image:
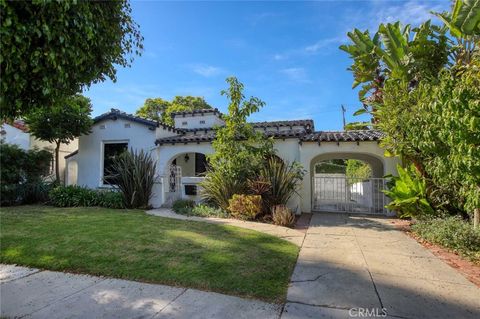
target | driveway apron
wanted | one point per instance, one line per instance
(354, 266)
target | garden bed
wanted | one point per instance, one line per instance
(131, 245)
(470, 269)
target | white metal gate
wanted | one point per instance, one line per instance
(339, 193)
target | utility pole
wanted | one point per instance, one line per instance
(343, 116)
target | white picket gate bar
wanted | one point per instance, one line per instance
(349, 194)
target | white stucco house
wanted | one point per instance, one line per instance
(17, 133)
(180, 152)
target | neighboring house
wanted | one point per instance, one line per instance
(17, 133)
(180, 154)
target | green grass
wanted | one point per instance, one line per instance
(131, 245)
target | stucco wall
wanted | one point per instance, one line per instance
(196, 121)
(368, 151)
(65, 149)
(90, 156)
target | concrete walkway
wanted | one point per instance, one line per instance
(32, 293)
(292, 235)
(351, 265)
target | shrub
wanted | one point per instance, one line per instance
(219, 186)
(208, 211)
(73, 196)
(110, 199)
(134, 174)
(409, 194)
(451, 232)
(283, 179)
(21, 174)
(183, 206)
(187, 207)
(282, 216)
(245, 206)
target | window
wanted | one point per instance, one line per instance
(202, 122)
(184, 123)
(127, 125)
(200, 163)
(102, 127)
(110, 151)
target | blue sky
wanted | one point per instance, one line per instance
(286, 53)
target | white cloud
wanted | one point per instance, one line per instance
(324, 44)
(295, 74)
(206, 70)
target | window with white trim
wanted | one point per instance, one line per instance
(110, 152)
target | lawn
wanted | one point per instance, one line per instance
(130, 244)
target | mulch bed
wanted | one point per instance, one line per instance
(467, 268)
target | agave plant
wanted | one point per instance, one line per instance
(134, 174)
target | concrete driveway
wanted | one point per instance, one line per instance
(364, 267)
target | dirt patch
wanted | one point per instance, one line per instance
(467, 268)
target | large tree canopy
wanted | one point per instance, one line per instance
(160, 109)
(52, 49)
(61, 123)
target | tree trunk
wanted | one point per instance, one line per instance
(57, 166)
(476, 217)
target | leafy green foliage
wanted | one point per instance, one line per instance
(427, 102)
(182, 206)
(392, 53)
(21, 174)
(189, 208)
(61, 123)
(52, 49)
(356, 169)
(245, 206)
(133, 173)
(409, 194)
(154, 108)
(239, 150)
(74, 196)
(453, 233)
(161, 110)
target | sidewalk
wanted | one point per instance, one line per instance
(46, 294)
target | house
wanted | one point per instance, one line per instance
(180, 153)
(17, 133)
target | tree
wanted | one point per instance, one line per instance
(61, 123)
(161, 110)
(239, 149)
(153, 108)
(463, 23)
(52, 49)
(397, 53)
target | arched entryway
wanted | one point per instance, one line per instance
(184, 172)
(348, 182)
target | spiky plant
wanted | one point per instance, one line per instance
(134, 174)
(283, 179)
(282, 216)
(219, 186)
